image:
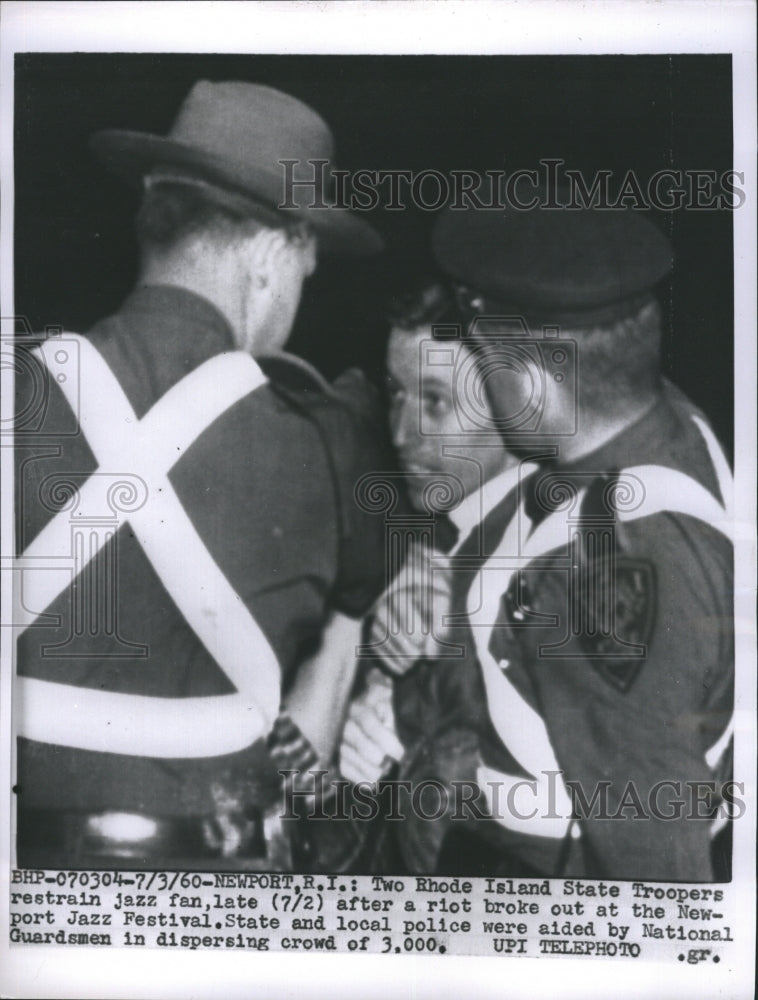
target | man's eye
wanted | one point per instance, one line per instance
(435, 404)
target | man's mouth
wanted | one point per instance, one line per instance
(416, 469)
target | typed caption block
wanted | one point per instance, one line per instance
(375, 914)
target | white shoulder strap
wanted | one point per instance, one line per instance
(665, 490)
(145, 450)
(541, 806)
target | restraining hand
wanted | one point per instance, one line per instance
(369, 742)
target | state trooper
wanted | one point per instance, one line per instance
(602, 626)
(186, 530)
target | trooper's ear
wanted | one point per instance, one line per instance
(268, 249)
(260, 256)
(311, 254)
(302, 236)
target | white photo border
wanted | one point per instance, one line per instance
(544, 27)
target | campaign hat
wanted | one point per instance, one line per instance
(572, 267)
(234, 137)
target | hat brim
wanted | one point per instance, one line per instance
(131, 155)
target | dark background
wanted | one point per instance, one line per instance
(75, 254)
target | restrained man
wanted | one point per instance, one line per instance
(605, 649)
(414, 720)
(186, 529)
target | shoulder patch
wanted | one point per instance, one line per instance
(619, 627)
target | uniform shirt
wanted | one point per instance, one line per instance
(437, 705)
(629, 721)
(440, 706)
(269, 490)
(446, 684)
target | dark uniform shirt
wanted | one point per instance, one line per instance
(439, 710)
(269, 488)
(628, 724)
(440, 706)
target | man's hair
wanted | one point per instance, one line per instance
(427, 304)
(174, 210)
(433, 304)
(618, 363)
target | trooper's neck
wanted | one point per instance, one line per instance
(595, 430)
(214, 271)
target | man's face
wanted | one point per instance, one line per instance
(428, 422)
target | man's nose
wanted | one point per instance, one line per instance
(402, 428)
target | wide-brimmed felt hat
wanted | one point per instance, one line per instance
(238, 136)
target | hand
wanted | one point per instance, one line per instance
(230, 831)
(408, 616)
(369, 742)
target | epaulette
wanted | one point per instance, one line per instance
(306, 389)
(287, 371)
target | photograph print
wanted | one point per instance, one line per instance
(373, 464)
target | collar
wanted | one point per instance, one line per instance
(180, 310)
(629, 444)
(160, 334)
(473, 509)
(664, 435)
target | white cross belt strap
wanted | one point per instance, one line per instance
(541, 805)
(147, 726)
